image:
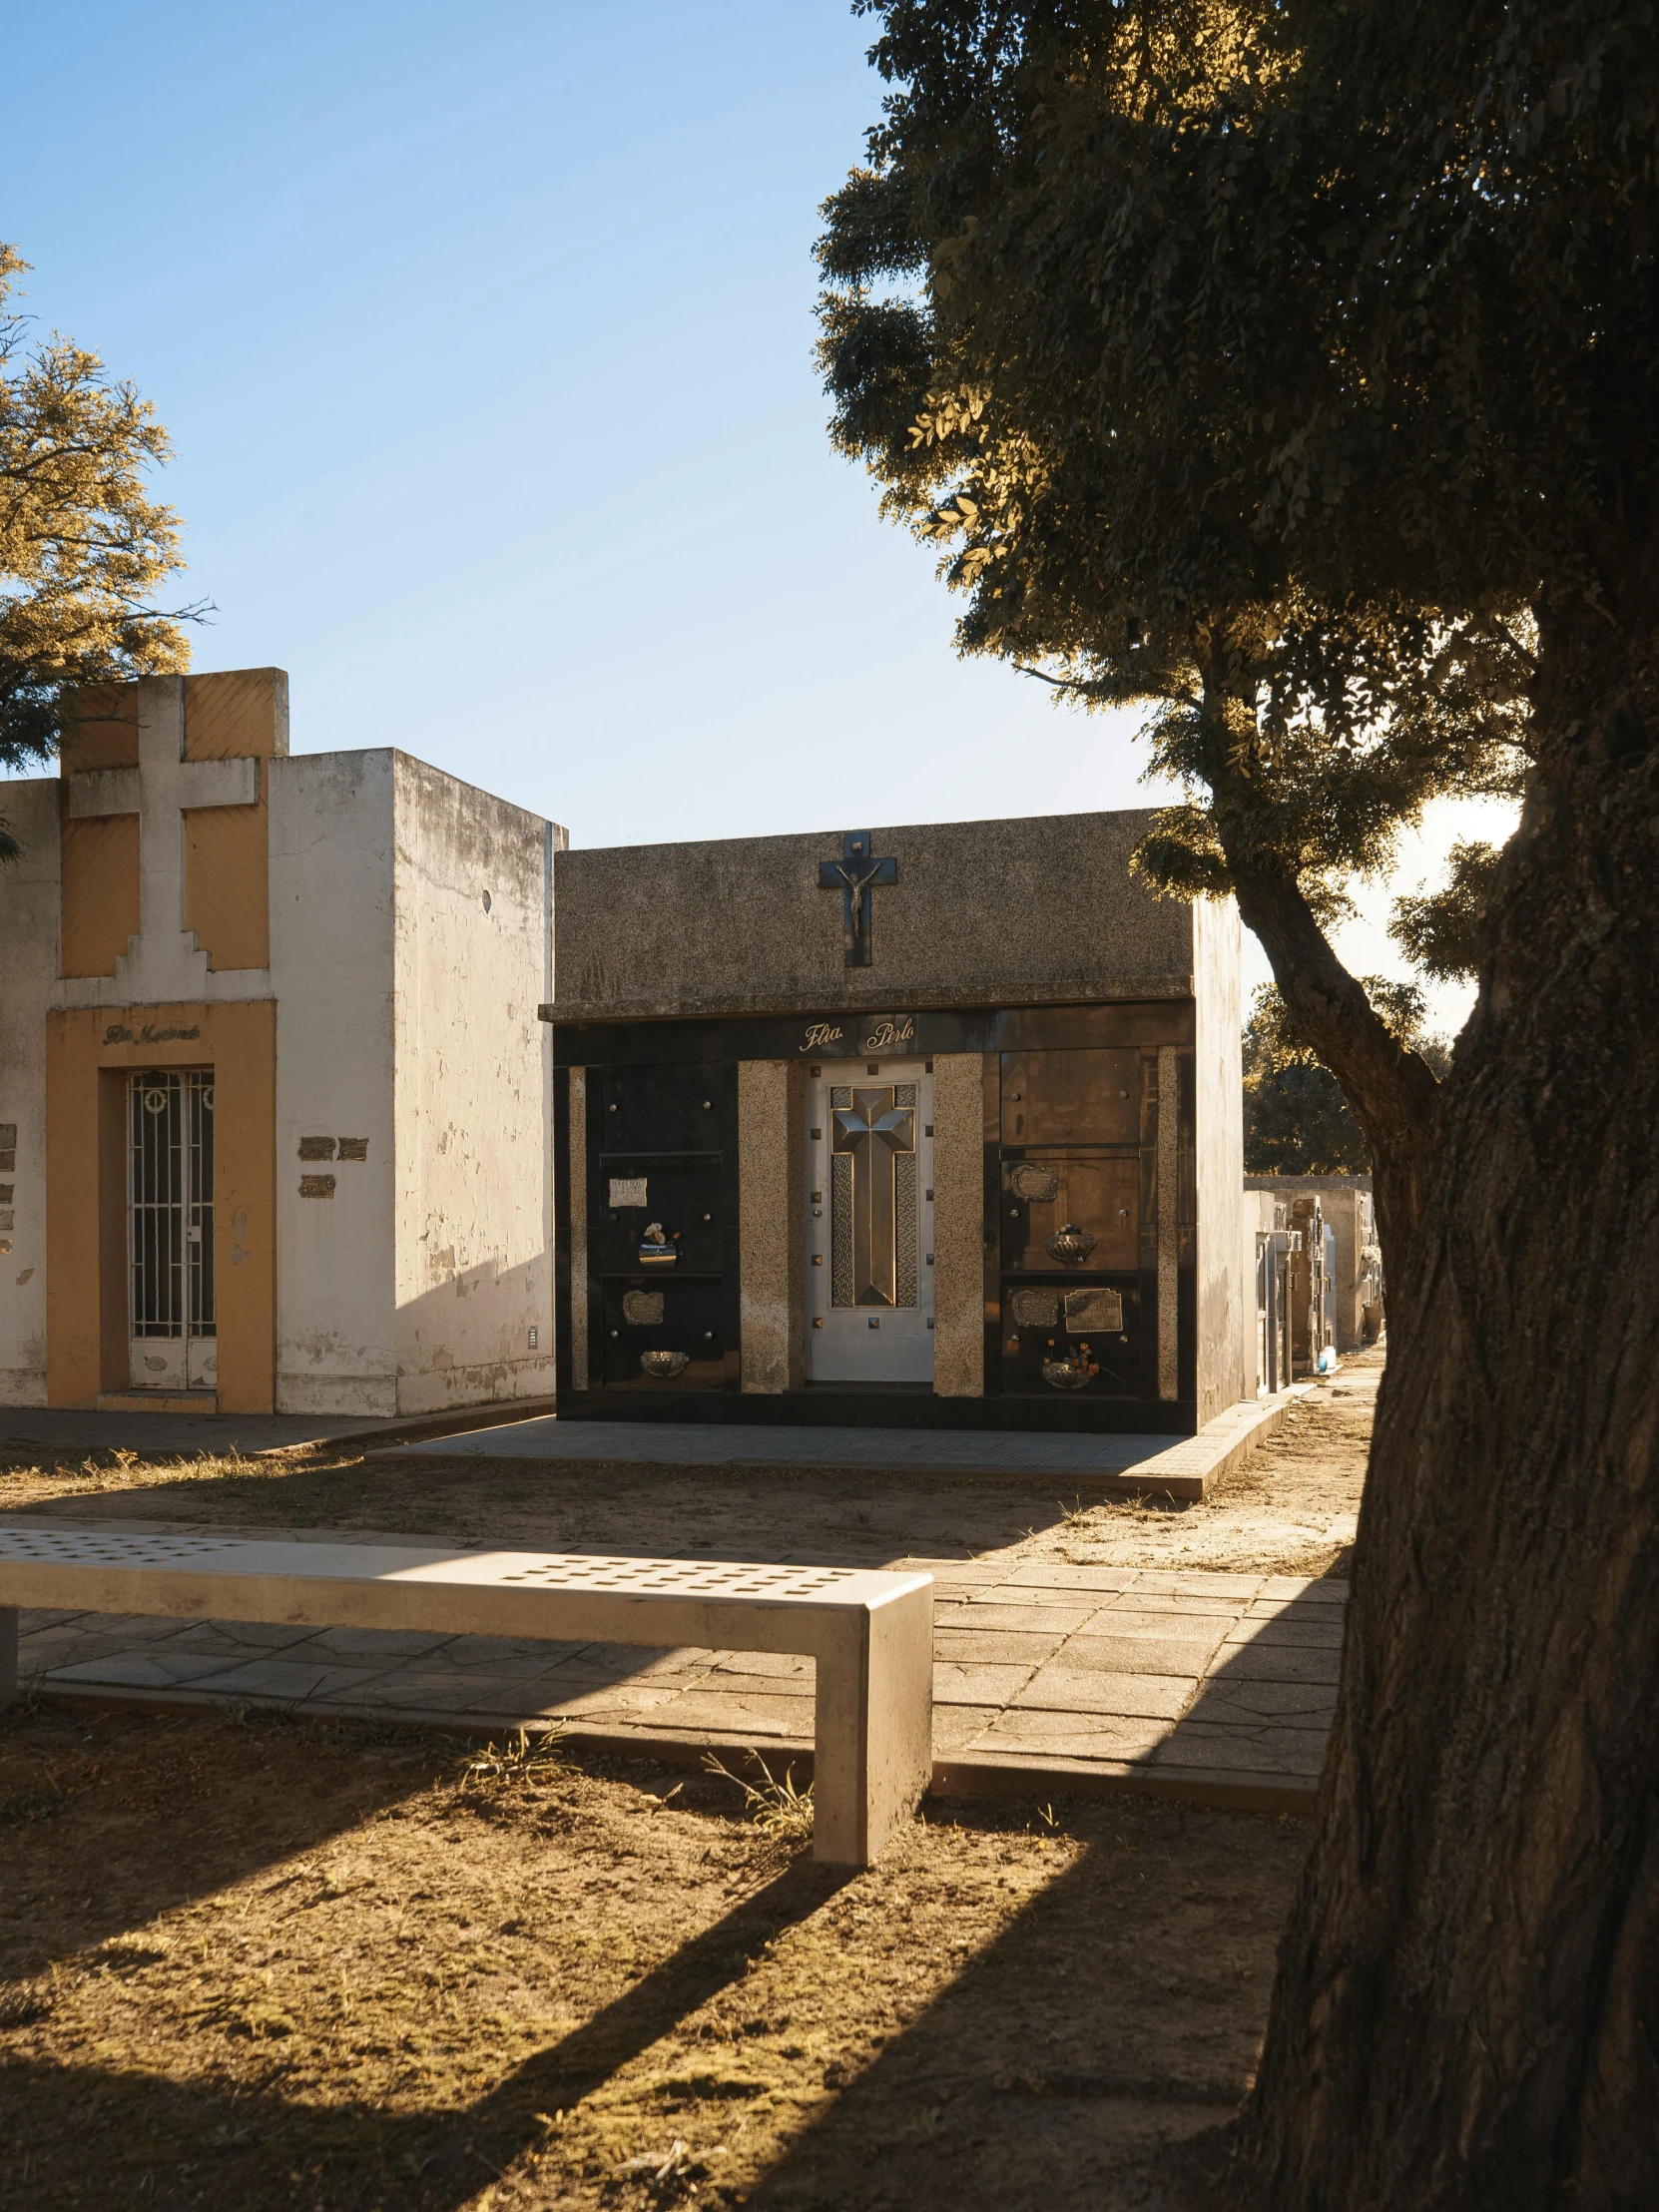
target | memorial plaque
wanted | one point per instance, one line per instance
(1094, 1312)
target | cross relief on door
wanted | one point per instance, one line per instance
(873, 1144)
(163, 961)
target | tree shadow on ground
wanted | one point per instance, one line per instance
(182, 1830)
(1113, 2021)
(189, 2145)
(1089, 2056)
(849, 1518)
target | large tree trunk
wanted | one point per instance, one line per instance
(1391, 1091)
(1466, 2011)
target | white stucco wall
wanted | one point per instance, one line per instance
(29, 906)
(1226, 1295)
(474, 1094)
(333, 858)
(1256, 1214)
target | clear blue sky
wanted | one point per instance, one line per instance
(484, 337)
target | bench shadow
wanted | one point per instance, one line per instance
(188, 2144)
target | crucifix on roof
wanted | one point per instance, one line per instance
(854, 876)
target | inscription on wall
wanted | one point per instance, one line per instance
(328, 1148)
(116, 1034)
(874, 1033)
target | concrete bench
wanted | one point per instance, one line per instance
(871, 1634)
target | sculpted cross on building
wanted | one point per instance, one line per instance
(200, 800)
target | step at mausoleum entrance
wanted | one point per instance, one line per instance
(169, 1231)
(868, 1244)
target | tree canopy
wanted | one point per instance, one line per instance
(1197, 420)
(1293, 368)
(83, 548)
(1296, 1119)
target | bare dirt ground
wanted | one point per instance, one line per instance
(248, 1961)
(274, 1964)
(1288, 1509)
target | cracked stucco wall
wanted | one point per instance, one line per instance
(473, 1082)
(29, 900)
(333, 858)
(1226, 1292)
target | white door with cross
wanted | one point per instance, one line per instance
(870, 1221)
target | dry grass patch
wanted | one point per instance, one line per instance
(1290, 1507)
(265, 1962)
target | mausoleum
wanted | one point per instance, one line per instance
(895, 1127)
(275, 1109)
(898, 1126)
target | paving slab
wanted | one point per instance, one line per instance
(1216, 1689)
(989, 1613)
(1180, 1467)
(1114, 1735)
(1181, 1655)
(1312, 1631)
(1003, 1647)
(967, 1682)
(1291, 1704)
(1298, 1751)
(1270, 1662)
(1155, 1697)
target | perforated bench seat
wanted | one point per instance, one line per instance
(870, 1633)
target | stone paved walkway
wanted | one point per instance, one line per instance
(1177, 1466)
(1217, 1687)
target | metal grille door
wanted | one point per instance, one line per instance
(169, 1192)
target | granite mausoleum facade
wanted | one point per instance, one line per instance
(899, 1126)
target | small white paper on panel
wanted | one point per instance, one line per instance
(628, 1189)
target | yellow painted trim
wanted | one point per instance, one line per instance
(88, 1050)
(99, 889)
(227, 880)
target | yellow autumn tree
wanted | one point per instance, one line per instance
(83, 548)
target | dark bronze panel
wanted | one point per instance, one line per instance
(673, 1128)
(693, 1329)
(1126, 1024)
(664, 1108)
(1097, 1191)
(1029, 1342)
(687, 1195)
(1092, 1096)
